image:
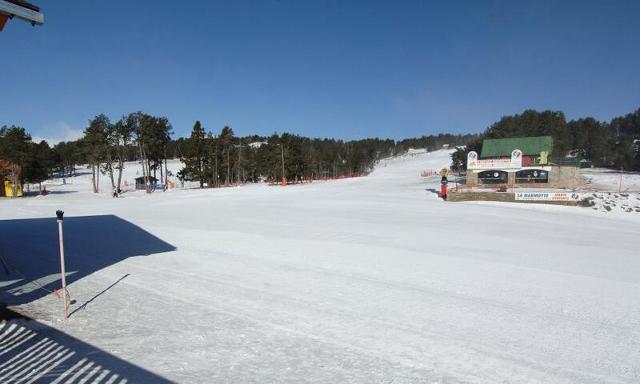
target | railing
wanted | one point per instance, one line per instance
(566, 161)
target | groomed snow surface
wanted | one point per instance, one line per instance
(364, 280)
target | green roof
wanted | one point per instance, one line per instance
(529, 146)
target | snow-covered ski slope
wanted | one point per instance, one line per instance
(364, 280)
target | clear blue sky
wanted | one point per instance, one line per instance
(346, 69)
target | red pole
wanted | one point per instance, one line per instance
(62, 266)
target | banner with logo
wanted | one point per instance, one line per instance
(515, 162)
(547, 196)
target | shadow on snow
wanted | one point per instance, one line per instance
(30, 255)
(30, 268)
(36, 353)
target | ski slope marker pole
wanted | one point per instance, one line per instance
(59, 215)
(620, 185)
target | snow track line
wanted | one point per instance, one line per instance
(476, 301)
(221, 310)
(324, 240)
(571, 374)
(370, 280)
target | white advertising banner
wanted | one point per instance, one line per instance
(547, 196)
(515, 162)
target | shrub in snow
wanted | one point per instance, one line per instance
(587, 202)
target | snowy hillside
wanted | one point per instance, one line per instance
(363, 280)
(611, 180)
(82, 181)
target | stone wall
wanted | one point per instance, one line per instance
(564, 177)
(507, 197)
(472, 178)
(559, 177)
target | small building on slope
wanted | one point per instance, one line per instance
(519, 161)
(141, 182)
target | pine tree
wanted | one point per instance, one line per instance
(226, 135)
(194, 155)
(121, 137)
(15, 148)
(39, 164)
(212, 155)
(95, 141)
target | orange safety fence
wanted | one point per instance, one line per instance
(305, 180)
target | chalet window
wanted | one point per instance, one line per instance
(493, 177)
(532, 176)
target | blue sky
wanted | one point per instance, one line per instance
(345, 69)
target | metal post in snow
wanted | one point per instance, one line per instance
(60, 214)
(284, 179)
(620, 185)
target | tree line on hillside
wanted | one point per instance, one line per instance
(214, 159)
(434, 142)
(104, 148)
(108, 145)
(35, 159)
(222, 158)
(614, 144)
